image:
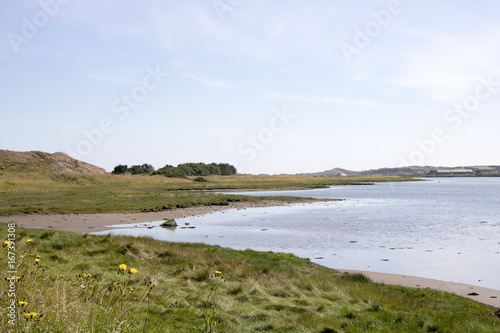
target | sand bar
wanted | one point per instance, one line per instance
(84, 223)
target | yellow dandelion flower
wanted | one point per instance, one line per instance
(5, 243)
(37, 261)
(218, 272)
(131, 289)
(17, 278)
(122, 268)
(22, 303)
(132, 271)
(38, 257)
(31, 315)
(29, 241)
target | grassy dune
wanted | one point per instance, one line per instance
(63, 193)
(200, 288)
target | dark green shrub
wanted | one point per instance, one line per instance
(200, 179)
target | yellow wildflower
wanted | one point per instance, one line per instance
(131, 289)
(29, 241)
(5, 243)
(31, 315)
(22, 303)
(132, 271)
(38, 257)
(218, 272)
(122, 268)
(37, 261)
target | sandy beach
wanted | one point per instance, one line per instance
(85, 223)
(479, 294)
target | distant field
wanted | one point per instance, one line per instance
(63, 193)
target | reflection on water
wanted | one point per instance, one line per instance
(446, 229)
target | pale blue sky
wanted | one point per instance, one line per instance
(270, 86)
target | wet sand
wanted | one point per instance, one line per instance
(85, 223)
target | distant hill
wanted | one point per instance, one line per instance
(414, 171)
(37, 161)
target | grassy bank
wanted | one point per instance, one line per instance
(62, 193)
(76, 287)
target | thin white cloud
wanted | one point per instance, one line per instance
(443, 67)
(213, 83)
(321, 99)
(172, 66)
(112, 79)
(162, 24)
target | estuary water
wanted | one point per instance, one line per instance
(441, 228)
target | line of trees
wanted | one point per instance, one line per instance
(134, 169)
(182, 170)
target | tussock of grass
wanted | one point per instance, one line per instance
(178, 289)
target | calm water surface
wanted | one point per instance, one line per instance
(447, 229)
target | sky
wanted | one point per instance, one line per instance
(284, 86)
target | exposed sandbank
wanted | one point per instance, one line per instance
(84, 223)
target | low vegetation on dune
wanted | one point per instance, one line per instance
(43, 163)
(69, 282)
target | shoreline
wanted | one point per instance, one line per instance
(484, 295)
(85, 223)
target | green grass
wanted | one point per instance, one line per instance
(63, 193)
(176, 289)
